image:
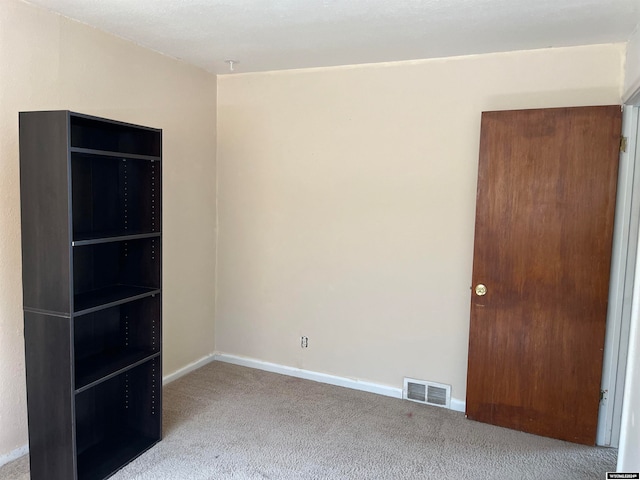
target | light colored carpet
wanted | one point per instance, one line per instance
(229, 422)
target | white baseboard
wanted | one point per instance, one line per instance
(188, 369)
(458, 405)
(395, 392)
(13, 455)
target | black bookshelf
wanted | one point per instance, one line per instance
(91, 208)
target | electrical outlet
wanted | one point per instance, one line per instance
(304, 342)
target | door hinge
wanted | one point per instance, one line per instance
(603, 395)
(623, 144)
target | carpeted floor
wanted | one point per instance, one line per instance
(229, 422)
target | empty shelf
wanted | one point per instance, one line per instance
(98, 368)
(110, 296)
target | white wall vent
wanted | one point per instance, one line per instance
(429, 393)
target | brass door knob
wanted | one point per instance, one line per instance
(481, 290)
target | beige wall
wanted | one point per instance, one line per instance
(49, 62)
(346, 205)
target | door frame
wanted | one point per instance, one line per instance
(623, 277)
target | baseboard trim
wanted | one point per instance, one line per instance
(388, 391)
(458, 405)
(310, 375)
(14, 455)
(188, 369)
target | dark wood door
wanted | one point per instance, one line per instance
(544, 224)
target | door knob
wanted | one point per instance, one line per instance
(481, 290)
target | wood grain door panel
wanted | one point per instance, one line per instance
(544, 224)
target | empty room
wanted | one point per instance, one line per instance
(319, 239)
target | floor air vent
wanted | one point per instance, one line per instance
(429, 393)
